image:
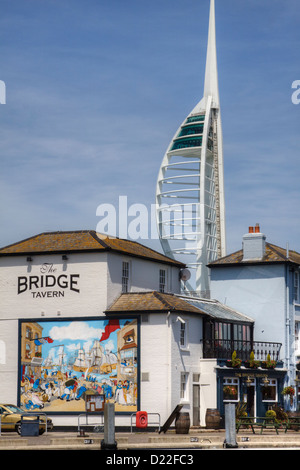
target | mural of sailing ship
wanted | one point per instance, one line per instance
(69, 370)
(97, 360)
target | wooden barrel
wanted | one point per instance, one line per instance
(294, 414)
(182, 423)
(212, 418)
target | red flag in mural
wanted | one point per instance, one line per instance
(109, 328)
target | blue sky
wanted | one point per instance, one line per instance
(96, 89)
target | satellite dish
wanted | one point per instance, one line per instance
(184, 274)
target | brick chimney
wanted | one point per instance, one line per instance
(254, 244)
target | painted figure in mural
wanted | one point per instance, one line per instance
(119, 395)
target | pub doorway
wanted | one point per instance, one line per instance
(196, 405)
(250, 397)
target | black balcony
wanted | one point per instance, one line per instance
(223, 349)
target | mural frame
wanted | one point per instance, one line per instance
(119, 381)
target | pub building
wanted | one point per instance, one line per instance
(85, 314)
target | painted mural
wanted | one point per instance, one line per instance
(63, 362)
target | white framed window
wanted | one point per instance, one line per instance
(162, 280)
(183, 335)
(125, 276)
(231, 389)
(269, 391)
(296, 286)
(184, 376)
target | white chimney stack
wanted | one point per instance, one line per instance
(254, 244)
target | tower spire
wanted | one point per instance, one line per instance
(211, 87)
(190, 187)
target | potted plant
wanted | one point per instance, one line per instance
(235, 361)
(269, 363)
(229, 391)
(271, 414)
(254, 364)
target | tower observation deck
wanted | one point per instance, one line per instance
(190, 207)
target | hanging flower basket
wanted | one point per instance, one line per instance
(289, 391)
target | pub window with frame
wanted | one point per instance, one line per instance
(269, 391)
(231, 389)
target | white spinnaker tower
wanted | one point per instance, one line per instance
(190, 206)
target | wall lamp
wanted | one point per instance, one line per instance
(265, 380)
(29, 259)
(64, 257)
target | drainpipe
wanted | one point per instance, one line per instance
(287, 323)
(169, 388)
(287, 326)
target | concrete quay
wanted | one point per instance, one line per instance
(195, 439)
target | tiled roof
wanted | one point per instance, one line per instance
(147, 302)
(274, 254)
(151, 302)
(80, 241)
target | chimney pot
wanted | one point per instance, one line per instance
(254, 244)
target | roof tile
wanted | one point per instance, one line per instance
(84, 240)
(274, 254)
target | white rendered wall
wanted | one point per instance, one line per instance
(258, 291)
(98, 280)
(143, 275)
(208, 387)
(155, 365)
(91, 284)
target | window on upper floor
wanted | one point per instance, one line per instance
(182, 335)
(183, 385)
(296, 286)
(125, 276)
(162, 280)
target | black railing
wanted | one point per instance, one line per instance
(223, 349)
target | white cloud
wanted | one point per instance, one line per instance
(75, 331)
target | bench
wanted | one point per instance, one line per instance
(292, 421)
(245, 421)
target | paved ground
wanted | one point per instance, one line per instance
(195, 439)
